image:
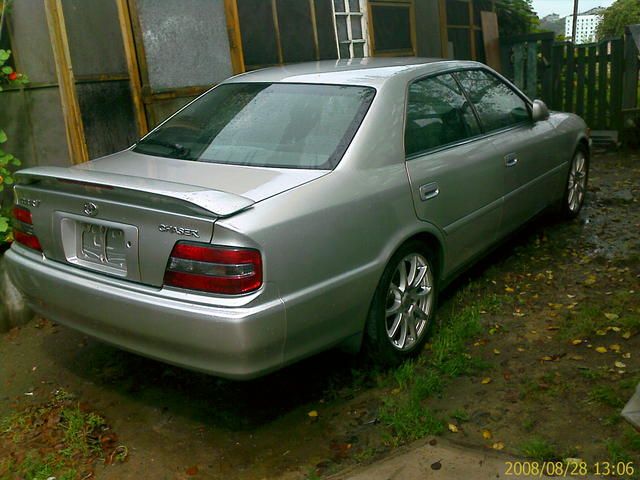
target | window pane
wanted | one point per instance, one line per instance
(356, 27)
(344, 50)
(341, 23)
(358, 50)
(457, 12)
(339, 5)
(497, 104)
(391, 27)
(437, 114)
(354, 5)
(262, 124)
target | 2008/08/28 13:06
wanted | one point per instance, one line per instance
(569, 469)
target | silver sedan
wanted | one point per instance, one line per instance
(294, 209)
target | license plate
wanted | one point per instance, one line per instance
(103, 245)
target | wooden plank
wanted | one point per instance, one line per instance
(138, 40)
(491, 39)
(592, 85)
(557, 63)
(314, 27)
(518, 65)
(603, 66)
(617, 67)
(276, 26)
(532, 70)
(76, 141)
(235, 38)
(472, 33)
(135, 83)
(580, 88)
(569, 78)
(545, 68)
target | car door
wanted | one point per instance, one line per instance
(455, 174)
(526, 149)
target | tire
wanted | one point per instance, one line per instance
(576, 185)
(399, 317)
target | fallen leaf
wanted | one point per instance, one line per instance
(626, 355)
(508, 289)
(546, 358)
(601, 350)
(520, 349)
(191, 471)
(590, 280)
(496, 351)
(620, 365)
(576, 341)
(615, 347)
(498, 446)
(601, 332)
(612, 316)
(486, 434)
(626, 335)
(313, 413)
(453, 428)
(486, 380)
(615, 329)
(576, 357)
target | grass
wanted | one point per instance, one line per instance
(606, 396)
(54, 439)
(539, 449)
(406, 413)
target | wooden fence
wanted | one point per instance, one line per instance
(598, 81)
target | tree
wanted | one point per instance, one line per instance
(617, 16)
(516, 17)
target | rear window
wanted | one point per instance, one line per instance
(264, 125)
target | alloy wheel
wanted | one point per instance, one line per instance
(409, 302)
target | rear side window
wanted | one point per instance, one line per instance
(438, 114)
(498, 106)
(264, 125)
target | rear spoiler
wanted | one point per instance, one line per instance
(219, 203)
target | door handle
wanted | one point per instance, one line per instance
(511, 160)
(429, 191)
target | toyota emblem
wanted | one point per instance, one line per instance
(90, 209)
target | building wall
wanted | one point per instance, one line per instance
(585, 30)
(32, 117)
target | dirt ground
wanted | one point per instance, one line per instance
(557, 355)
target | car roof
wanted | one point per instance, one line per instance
(370, 71)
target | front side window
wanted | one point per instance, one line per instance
(498, 106)
(264, 125)
(438, 114)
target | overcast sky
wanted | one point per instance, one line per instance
(565, 7)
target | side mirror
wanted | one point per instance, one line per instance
(540, 111)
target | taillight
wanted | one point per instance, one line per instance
(23, 228)
(215, 269)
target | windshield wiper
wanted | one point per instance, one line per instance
(176, 148)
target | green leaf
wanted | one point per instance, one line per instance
(4, 55)
(16, 162)
(3, 136)
(8, 180)
(4, 159)
(4, 224)
(6, 70)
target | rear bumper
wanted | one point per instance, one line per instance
(238, 342)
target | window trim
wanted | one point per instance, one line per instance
(483, 133)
